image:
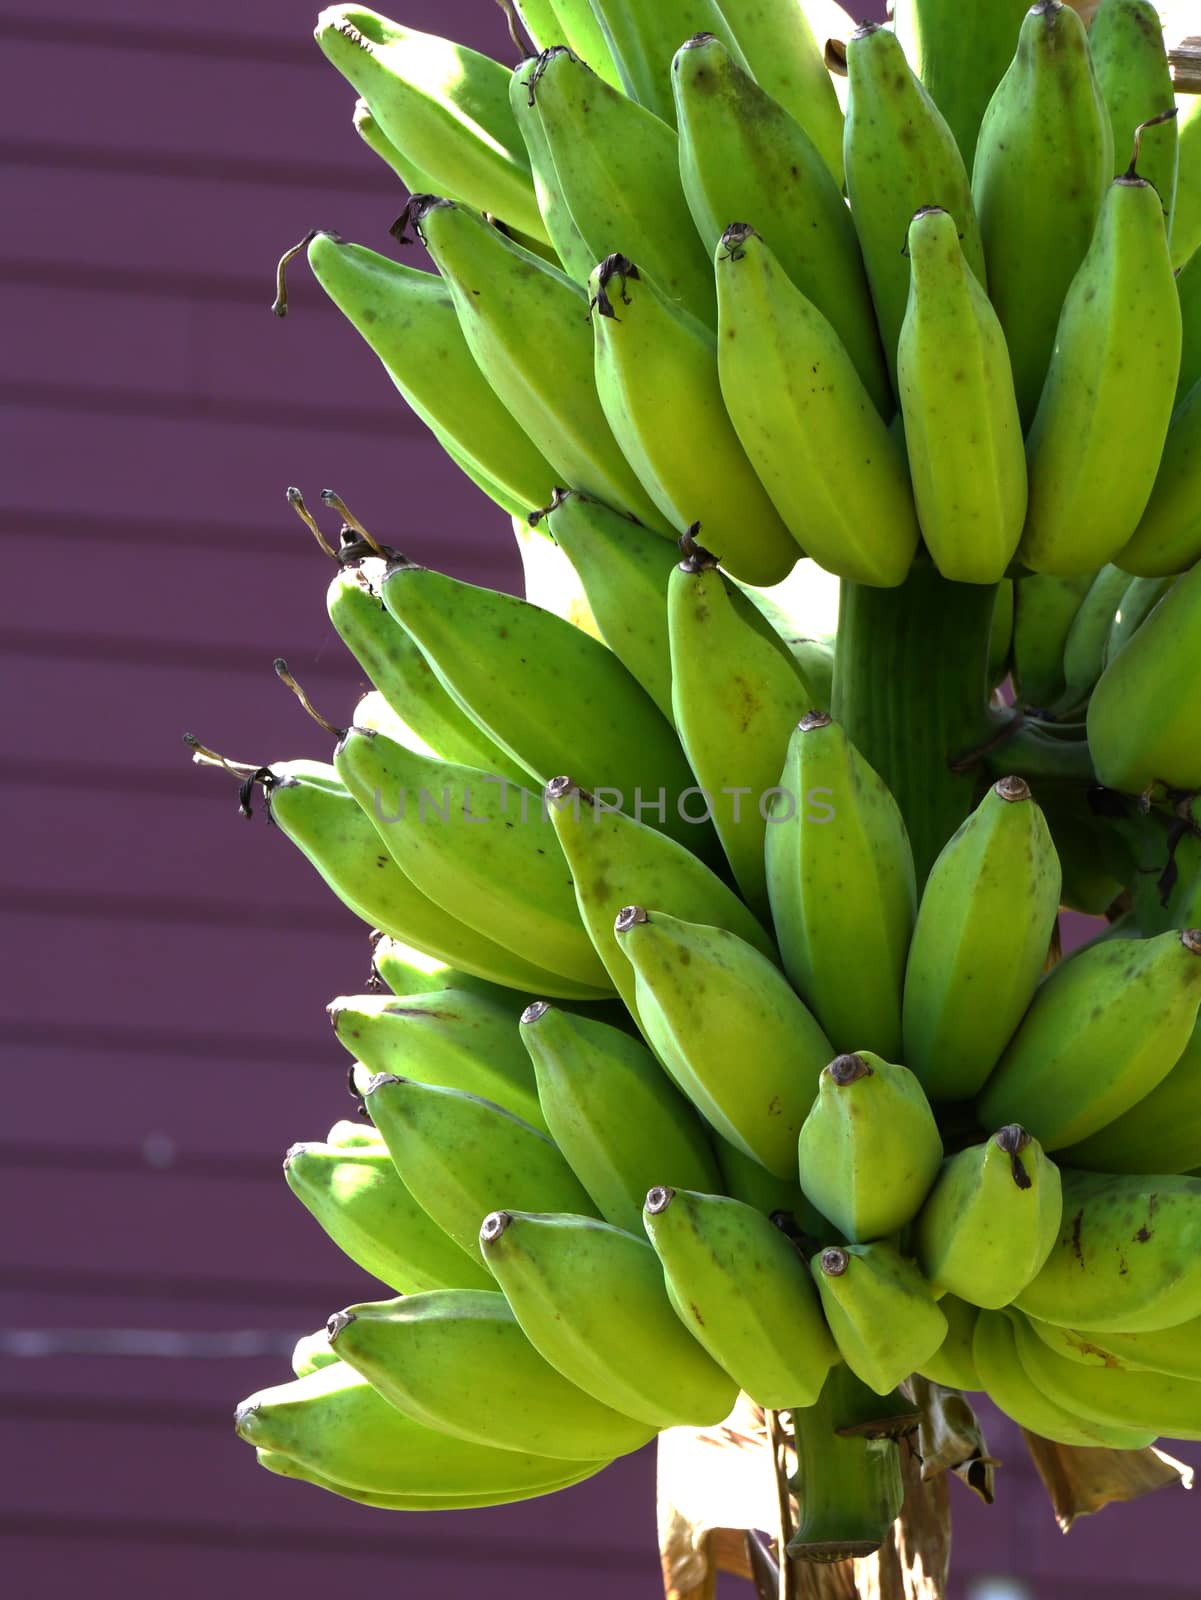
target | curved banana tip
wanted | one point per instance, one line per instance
(335, 1325)
(493, 1226)
(244, 1417)
(629, 917)
(658, 1199)
(534, 1011)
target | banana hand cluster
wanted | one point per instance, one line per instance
(695, 1076)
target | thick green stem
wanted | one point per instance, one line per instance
(848, 1489)
(911, 689)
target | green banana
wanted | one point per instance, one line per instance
(880, 1309)
(463, 1156)
(959, 53)
(311, 1352)
(952, 1364)
(984, 926)
(618, 172)
(613, 1112)
(408, 971)
(546, 692)
(337, 1425)
(743, 155)
(591, 1299)
(782, 1200)
(373, 136)
(740, 1288)
(1186, 213)
(350, 1135)
(1139, 598)
(644, 40)
(394, 663)
(574, 254)
(1027, 1401)
(729, 1030)
(1138, 1400)
(1188, 292)
(457, 1360)
(285, 1467)
(1043, 160)
(1000, 643)
(1126, 45)
(369, 1213)
(900, 155)
(614, 858)
(733, 722)
(524, 322)
(408, 319)
(777, 42)
(623, 570)
(1102, 1030)
(444, 107)
(1098, 433)
(870, 1148)
(962, 431)
(580, 30)
(833, 470)
(550, 580)
(1088, 637)
(1145, 710)
(1175, 1352)
(1128, 1255)
(1043, 612)
(1160, 1133)
(1168, 539)
(449, 1037)
(654, 360)
(511, 884)
(840, 876)
(990, 1220)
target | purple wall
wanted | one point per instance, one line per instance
(166, 964)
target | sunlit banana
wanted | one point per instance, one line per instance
(834, 472)
(458, 1361)
(575, 256)
(462, 1156)
(1175, 1351)
(984, 926)
(579, 28)
(869, 1148)
(408, 971)
(311, 1352)
(288, 1467)
(740, 1288)
(592, 1301)
(613, 1112)
(645, 38)
(729, 1030)
(881, 1311)
(841, 880)
(654, 360)
(1186, 213)
(962, 432)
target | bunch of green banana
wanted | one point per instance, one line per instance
(729, 1047)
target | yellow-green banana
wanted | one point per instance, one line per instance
(833, 470)
(408, 971)
(952, 1364)
(408, 319)
(984, 926)
(1168, 538)
(654, 360)
(1098, 433)
(618, 173)
(579, 29)
(959, 53)
(1043, 611)
(623, 570)
(335, 1423)
(1043, 160)
(1174, 1351)
(311, 1352)
(1160, 1133)
(990, 1220)
(782, 1200)
(286, 1467)
(740, 1288)
(869, 1148)
(360, 1201)
(613, 1112)
(1102, 1030)
(524, 322)
(615, 858)
(553, 697)
(443, 106)
(881, 1311)
(462, 1156)
(962, 431)
(1186, 214)
(900, 154)
(743, 155)
(1146, 708)
(733, 720)
(511, 883)
(574, 254)
(843, 893)
(449, 1037)
(457, 1360)
(592, 1301)
(644, 40)
(1128, 1255)
(1126, 44)
(350, 1135)
(1085, 646)
(550, 580)
(729, 1030)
